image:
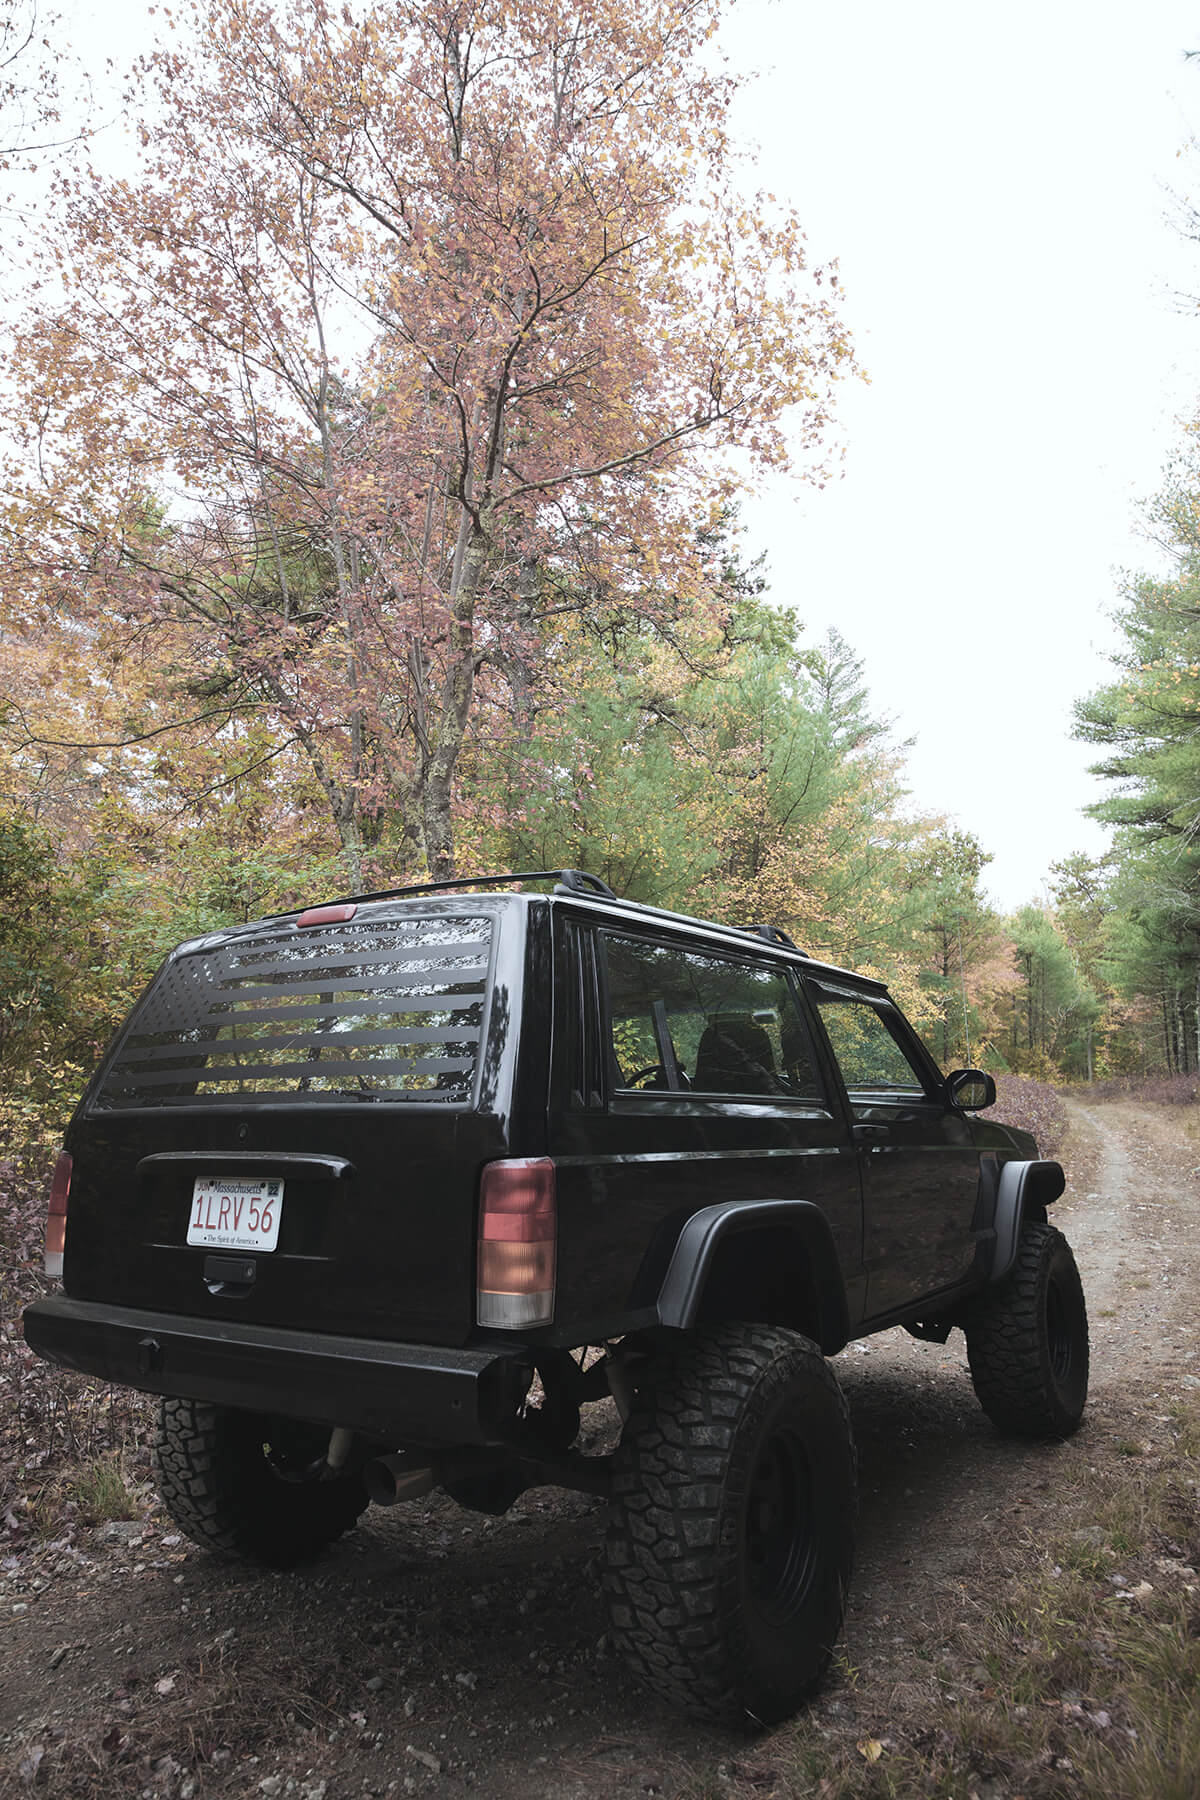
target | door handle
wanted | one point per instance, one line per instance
(870, 1133)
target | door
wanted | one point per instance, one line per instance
(920, 1167)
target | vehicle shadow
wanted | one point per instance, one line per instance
(432, 1635)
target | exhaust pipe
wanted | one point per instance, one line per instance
(389, 1479)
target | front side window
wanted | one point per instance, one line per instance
(870, 1057)
(681, 1020)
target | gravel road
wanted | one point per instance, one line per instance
(437, 1652)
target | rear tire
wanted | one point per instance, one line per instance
(732, 1527)
(1027, 1341)
(242, 1484)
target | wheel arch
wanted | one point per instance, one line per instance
(768, 1261)
(1023, 1193)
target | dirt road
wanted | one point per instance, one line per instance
(436, 1652)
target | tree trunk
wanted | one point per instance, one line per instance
(457, 692)
(1185, 1050)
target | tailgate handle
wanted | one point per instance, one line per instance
(225, 1273)
(282, 1162)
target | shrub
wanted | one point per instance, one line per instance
(1157, 1090)
(1032, 1106)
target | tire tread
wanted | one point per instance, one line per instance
(227, 1502)
(1006, 1348)
(663, 1578)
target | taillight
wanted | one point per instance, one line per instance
(518, 1235)
(56, 1215)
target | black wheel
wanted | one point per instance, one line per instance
(1027, 1342)
(731, 1536)
(249, 1486)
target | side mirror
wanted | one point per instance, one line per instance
(970, 1090)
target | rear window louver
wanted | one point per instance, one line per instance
(387, 1010)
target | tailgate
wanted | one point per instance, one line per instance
(298, 1106)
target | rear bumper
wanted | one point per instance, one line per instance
(415, 1394)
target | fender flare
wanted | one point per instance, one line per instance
(1022, 1186)
(682, 1289)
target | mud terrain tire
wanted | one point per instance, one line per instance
(731, 1533)
(237, 1483)
(1027, 1341)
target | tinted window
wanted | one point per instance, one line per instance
(389, 1009)
(680, 1020)
(868, 1054)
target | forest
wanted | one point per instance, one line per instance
(370, 462)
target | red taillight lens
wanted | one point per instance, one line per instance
(518, 1236)
(56, 1215)
(327, 915)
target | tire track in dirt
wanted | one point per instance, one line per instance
(482, 1644)
(1133, 1212)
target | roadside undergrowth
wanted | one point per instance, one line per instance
(72, 1450)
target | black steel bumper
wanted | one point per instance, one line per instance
(416, 1394)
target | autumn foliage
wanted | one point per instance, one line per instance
(370, 451)
(410, 332)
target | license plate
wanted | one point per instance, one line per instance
(235, 1213)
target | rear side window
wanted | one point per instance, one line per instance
(684, 1020)
(388, 1010)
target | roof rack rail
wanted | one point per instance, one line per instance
(566, 881)
(774, 935)
(569, 881)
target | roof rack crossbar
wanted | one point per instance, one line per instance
(774, 935)
(571, 881)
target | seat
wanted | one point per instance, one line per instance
(735, 1057)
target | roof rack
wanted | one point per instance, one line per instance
(569, 881)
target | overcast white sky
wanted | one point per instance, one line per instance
(995, 183)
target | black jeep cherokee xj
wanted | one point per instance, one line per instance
(376, 1195)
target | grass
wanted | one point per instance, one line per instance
(102, 1490)
(93, 1491)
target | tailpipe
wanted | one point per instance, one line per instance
(390, 1479)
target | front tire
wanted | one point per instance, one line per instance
(1027, 1341)
(732, 1527)
(245, 1485)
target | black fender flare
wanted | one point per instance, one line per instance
(682, 1288)
(1022, 1187)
